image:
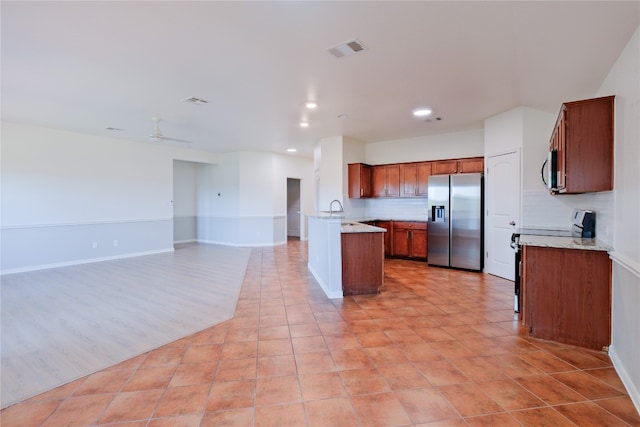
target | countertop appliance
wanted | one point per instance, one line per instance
(455, 228)
(583, 223)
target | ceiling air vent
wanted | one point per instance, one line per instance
(347, 48)
(195, 101)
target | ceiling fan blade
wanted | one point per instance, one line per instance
(166, 138)
(158, 136)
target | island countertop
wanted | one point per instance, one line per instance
(358, 227)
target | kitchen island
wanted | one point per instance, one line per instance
(346, 257)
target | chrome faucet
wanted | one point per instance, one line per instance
(331, 206)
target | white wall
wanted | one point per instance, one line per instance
(623, 81)
(329, 169)
(242, 199)
(504, 132)
(432, 147)
(69, 198)
(285, 166)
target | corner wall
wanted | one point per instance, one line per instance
(623, 82)
(242, 198)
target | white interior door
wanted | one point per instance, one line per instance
(502, 202)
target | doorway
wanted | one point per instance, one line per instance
(293, 208)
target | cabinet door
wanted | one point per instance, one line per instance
(359, 180)
(418, 244)
(401, 242)
(386, 180)
(444, 167)
(567, 295)
(393, 180)
(472, 165)
(387, 236)
(588, 145)
(408, 179)
(378, 181)
(423, 171)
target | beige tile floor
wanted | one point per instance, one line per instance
(436, 348)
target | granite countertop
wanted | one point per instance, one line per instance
(377, 218)
(357, 227)
(564, 242)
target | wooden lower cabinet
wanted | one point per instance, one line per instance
(566, 295)
(387, 225)
(362, 263)
(410, 239)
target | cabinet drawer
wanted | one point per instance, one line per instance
(410, 225)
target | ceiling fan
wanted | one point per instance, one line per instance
(158, 136)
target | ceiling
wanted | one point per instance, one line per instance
(87, 66)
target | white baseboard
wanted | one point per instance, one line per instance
(634, 393)
(83, 261)
(244, 245)
(325, 288)
(179, 242)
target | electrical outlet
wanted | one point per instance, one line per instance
(94, 245)
(115, 242)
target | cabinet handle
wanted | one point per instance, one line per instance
(361, 192)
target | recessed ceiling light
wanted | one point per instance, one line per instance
(304, 124)
(421, 112)
(311, 105)
(291, 150)
(112, 129)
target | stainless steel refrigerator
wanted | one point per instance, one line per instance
(455, 228)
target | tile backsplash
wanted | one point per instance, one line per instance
(415, 209)
(540, 209)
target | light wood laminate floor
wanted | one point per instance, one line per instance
(64, 323)
(437, 347)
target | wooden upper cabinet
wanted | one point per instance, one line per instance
(471, 165)
(583, 137)
(385, 180)
(404, 179)
(359, 180)
(451, 166)
(414, 178)
(445, 167)
(408, 179)
(423, 171)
